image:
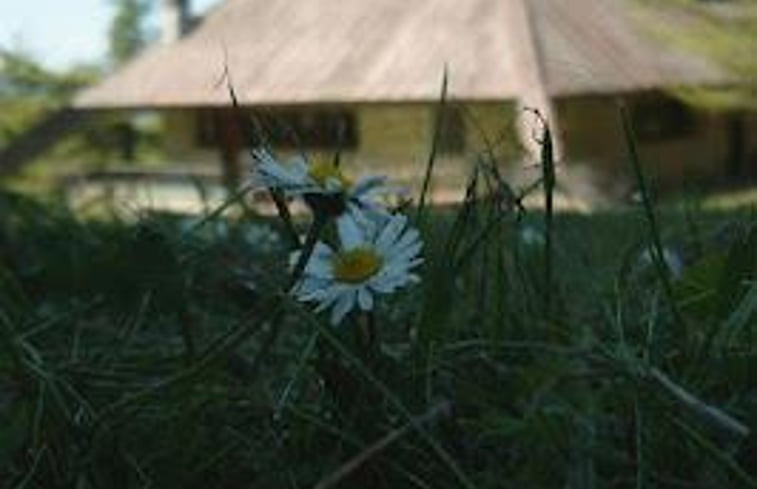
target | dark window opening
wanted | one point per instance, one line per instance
(206, 130)
(659, 118)
(324, 129)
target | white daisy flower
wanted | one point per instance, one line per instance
(297, 177)
(322, 178)
(368, 263)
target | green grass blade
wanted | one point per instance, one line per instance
(658, 257)
(434, 149)
(443, 455)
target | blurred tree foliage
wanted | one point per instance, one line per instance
(23, 76)
(29, 91)
(127, 34)
(722, 30)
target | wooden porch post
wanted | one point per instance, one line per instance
(230, 144)
(736, 152)
(531, 82)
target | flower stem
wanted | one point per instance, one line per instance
(277, 320)
(311, 239)
(370, 341)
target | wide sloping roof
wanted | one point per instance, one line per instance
(606, 46)
(336, 51)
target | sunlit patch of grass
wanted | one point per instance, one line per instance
(732, 199)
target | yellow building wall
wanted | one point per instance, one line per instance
(592, 135)
(750, 131)
(180, 141)
(392, 139)
(398, 140)
(395, 139)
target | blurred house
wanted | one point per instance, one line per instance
(365, 77)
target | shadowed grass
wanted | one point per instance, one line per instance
(102, 385)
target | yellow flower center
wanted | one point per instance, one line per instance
(322, 171)
(356, 265)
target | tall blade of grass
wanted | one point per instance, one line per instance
(478, 240)
(441, 409)
(278, 198)
(548, 177)
(705, 411)
(9, 339)
(187, 330)
(457, 231)
(228, 342)
(314, 234)
(441, 453)
(220, 347)
(126, 333)
(307, 351)
(275, 323)
(438, 285)
(501, 289)
(658, 257)
(484, 272)
(718, 454)
(27, 479)
(741, 317)
(218, 211)
(434, 149)
(639, 445)
(325, 426)
(582, 472)
(351, 440)
(12, 295)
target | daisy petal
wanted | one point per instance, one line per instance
(327, 296)
(365, 299)
(409, 237)
(350, 234)
(342, 306)
(390, 232)
(368, 184)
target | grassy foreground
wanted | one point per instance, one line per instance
(161, 354)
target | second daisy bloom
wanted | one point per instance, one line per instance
(368, 262)
(322, 184)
